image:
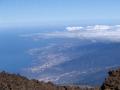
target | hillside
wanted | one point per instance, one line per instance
(17, 82)
(112, 82)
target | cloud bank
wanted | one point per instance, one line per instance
(74, 28)
(95, 32)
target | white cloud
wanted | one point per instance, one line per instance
(71, 29)
(92, 28)
(99, 27)
(95, 32)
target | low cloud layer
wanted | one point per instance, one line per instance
(95, 32)
(74, 28)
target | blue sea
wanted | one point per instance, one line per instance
(39, 53)
(13, 48)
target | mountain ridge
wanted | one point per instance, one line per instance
(17, 82)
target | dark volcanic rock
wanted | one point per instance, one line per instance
(112, 82)
(17, 82)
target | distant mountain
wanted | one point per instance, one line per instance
(85, 63)
(102, 57)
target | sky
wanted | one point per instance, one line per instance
(45, 12)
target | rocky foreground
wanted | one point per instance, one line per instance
(112, 82)
(17, 82)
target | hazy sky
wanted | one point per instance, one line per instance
(13, 12)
